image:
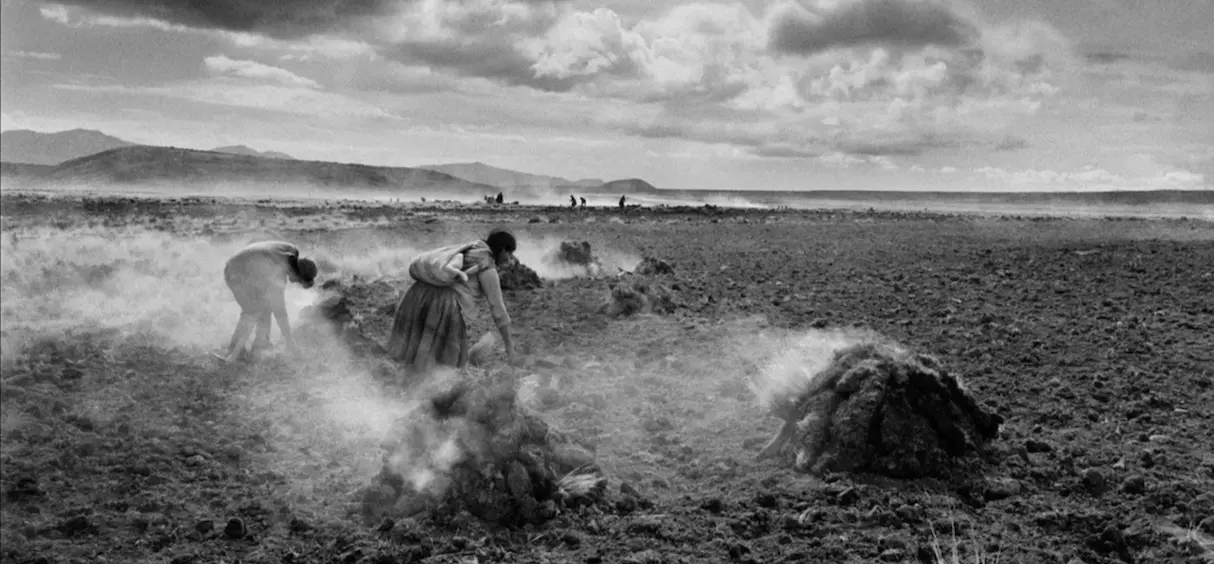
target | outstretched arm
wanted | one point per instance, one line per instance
(491, 285)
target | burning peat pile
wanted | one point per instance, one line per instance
(642, 291)
(471, 446)
(575, 257)
(873, 407)
(518, 276)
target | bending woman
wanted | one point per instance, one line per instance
(258, 277)
(431, 324)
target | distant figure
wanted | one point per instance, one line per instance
(500, 199)
(583, 203)
(622, 200)
(258, 277)
(430, 327)
(572, 202)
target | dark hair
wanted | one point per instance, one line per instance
(499, 241)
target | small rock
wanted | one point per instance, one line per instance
(627, 489)
(1034, 445)
(893, 555)
(205, 526)
(1094, 481)
(1002, 488)
(1135, 484)
(235, 529)
(767, 500)
(1207, 525)
(713, 505)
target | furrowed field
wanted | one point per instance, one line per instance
(124, 440)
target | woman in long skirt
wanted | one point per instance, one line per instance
(430, 328)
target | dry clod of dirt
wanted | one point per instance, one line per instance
(495, 459)
(882, 409)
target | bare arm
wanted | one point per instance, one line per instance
(491, 285)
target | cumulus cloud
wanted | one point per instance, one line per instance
(221, 65)
(803, 78)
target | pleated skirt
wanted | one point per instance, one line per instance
(428, 329)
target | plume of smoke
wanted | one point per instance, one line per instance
(538, 254)
(130, 280)
(796, 361)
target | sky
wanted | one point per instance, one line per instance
(992, 95)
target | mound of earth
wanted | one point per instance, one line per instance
(576, 255)
(472, 447)
(518, 276)
(651, 266)
(882, 409)
(632, 294)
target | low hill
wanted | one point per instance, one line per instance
(507, 179)
(243, 150)
(33, 147)
(628, 186)
(171, 166)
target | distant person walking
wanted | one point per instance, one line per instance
(622, 200)
(583, 203)
(572, 202)
(258, 276)
(430, 327)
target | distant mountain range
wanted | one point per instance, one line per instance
(508, 179)
(32, 147)
(82, 155)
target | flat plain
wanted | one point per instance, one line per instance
(124, 441)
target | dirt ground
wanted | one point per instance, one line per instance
(1090, 337)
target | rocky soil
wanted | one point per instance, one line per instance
(1090, 338)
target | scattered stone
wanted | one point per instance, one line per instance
(235, 529)
(1136, 484)
(1002, 488)
(1094, 481)
(1036, 446)
(205, 526)
(713, 505)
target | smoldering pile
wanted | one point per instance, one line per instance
(875, 407)
(473, 447)
(517, 276)
(576, 257)
(644, 290)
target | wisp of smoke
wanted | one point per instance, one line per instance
(131, 280)
(538, 253)
(798, 361)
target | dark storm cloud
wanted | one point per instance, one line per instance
(277, 18)
(494, 60)
(907, 23)
(1105, 57)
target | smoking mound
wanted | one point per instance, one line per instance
(517, 276)
(633, 294)
(473, 447)
(575, 255)
(874, 407)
